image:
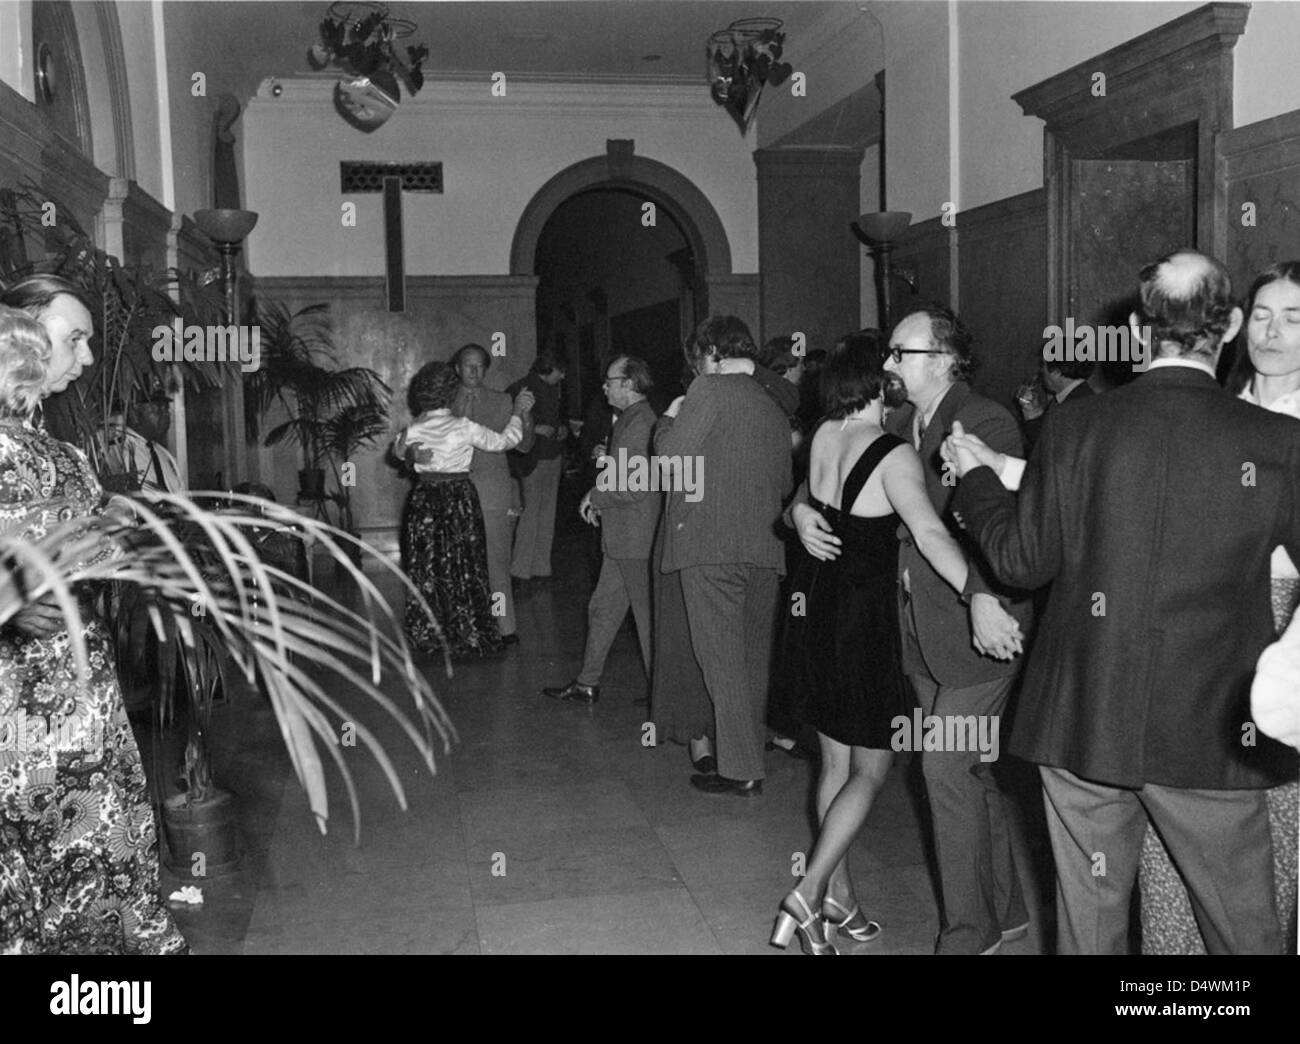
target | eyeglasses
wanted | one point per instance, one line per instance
(897, 353)
(613, 380)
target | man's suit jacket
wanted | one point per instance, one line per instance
(489, 472)
(1153, 511)
(741, 439)
(628, 517)
(942, 619)
(1081, 392)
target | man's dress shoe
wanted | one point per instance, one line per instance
(574, 693)
(723, 785)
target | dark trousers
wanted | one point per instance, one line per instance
(731, 609)
(1219, 841)
(972, 839)
(623, 583)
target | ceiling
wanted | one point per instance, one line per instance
(577, 39)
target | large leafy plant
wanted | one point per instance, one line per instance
(179, 555)
(40, 235)
(331, 411)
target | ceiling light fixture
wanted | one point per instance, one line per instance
(743, 58)
(359, 38)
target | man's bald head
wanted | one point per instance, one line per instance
(1187, 304)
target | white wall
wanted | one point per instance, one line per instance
(496, 153)
(1266, 62)
(15, 48)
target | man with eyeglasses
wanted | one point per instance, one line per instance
(627, 520)
(960, 659)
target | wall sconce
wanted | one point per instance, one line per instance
(879, 232)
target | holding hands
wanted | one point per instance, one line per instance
(524, 403)
(994, 631)
(966, 452)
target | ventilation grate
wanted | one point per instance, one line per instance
(357, 176)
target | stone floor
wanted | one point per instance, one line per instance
(548, 829)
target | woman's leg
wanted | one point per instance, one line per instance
(843, 809)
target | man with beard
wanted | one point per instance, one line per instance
(959, 657)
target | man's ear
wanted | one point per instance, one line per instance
(1234, 325)
(1137, 330)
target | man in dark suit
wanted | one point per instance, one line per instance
(1063, 381)
(627, 513)
(959, 657)
(1152, 511)
(498, 493)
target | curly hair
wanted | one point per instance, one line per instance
(725, 336)
(1186, 299)
(950, 334)
(24, 360)
(433, 387)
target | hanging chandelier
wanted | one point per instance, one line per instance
(360, 38)
(743, 58)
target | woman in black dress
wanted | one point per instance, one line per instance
(845, 647)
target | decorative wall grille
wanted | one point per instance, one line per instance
(357, 176)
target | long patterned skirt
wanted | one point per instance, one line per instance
(78, 844)
(444, 552)
(1168, 924)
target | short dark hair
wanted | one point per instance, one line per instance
(725, 336)
(471, 347)
(950, 334)
(636, 370)
(37, 292)
(432, 388)
(1193, 313)
(1072, 369)
(854, 373)
(546, 364)
(1242, 373)
(774, 349)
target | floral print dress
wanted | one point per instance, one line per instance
(78, 844)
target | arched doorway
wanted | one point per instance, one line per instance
(657, 214)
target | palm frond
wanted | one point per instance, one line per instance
(272, 625)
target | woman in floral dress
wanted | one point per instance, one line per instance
(78, 844)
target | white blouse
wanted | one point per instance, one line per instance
(449, 442)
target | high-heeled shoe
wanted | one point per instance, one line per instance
(865, 932)
(811, 933)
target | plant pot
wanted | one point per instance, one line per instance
(311, 484)
(208, 828)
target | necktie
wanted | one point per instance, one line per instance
(920, 433)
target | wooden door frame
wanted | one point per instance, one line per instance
(1177, 74)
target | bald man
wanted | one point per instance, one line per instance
(1153, 512)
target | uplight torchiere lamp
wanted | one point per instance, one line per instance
(879, 233)
(227, 229)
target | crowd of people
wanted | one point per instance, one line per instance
(1120, 569)
(1111, 566)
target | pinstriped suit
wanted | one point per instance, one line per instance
(726, 548)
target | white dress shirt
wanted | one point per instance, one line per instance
(449, 442)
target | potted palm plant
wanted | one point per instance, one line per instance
(331, 411)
